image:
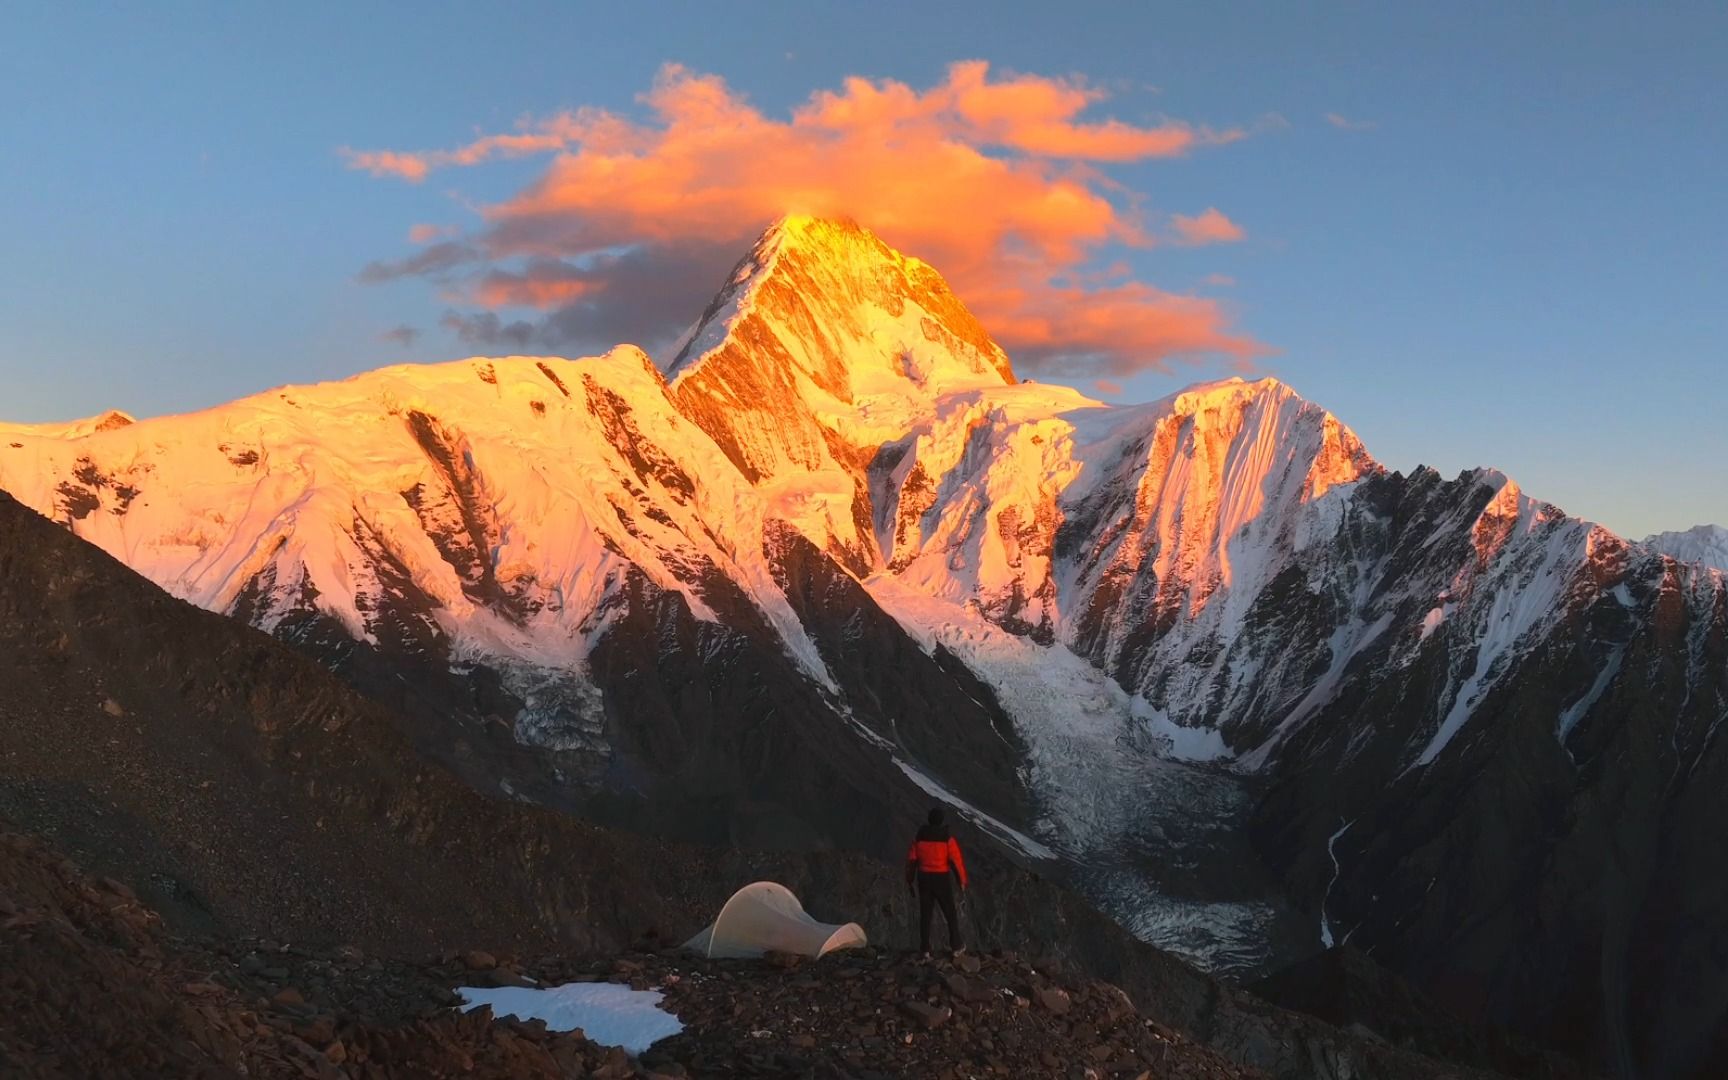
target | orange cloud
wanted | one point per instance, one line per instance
(516, 290)
(1112, 331)
(425, 234)
(1107, 388)
(997, 182)
(1026, 112)
(414, 166)
(407, 166)
(1210, 227)
(539, 285)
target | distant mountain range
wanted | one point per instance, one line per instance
(1204, 658)
(1707, 544)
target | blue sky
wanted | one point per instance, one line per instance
(1513, 256)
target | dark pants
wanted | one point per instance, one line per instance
(934, 889)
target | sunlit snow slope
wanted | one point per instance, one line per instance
(478, 510)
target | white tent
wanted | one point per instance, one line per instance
(764, 916)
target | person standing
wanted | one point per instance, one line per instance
(934, 856)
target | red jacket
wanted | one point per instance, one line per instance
(934, 852)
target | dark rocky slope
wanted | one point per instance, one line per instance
(1348, 989)
(1556, 871)
(93, 985)
(242, 789)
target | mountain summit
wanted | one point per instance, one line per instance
(824, 344)
(844, 309)
(1202, 658)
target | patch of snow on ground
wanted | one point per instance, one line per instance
(607, 1013)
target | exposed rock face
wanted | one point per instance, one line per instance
(837, 548)
(107, 421)
(243, 786)
(1507, 800)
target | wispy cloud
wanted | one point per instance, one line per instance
(1000, 181)
(412, 167)
(1344, 123)
(425, 234)
(435, 262)
(1207, 227)
(404, 335)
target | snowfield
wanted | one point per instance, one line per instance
(608, 1014)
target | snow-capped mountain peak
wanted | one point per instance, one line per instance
(1707, 544)
(1058, 516)
(873, 312)
(824, 345)
(1198, 396)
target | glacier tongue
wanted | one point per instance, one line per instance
(1147, 831)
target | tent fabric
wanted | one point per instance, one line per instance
(764, 916)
